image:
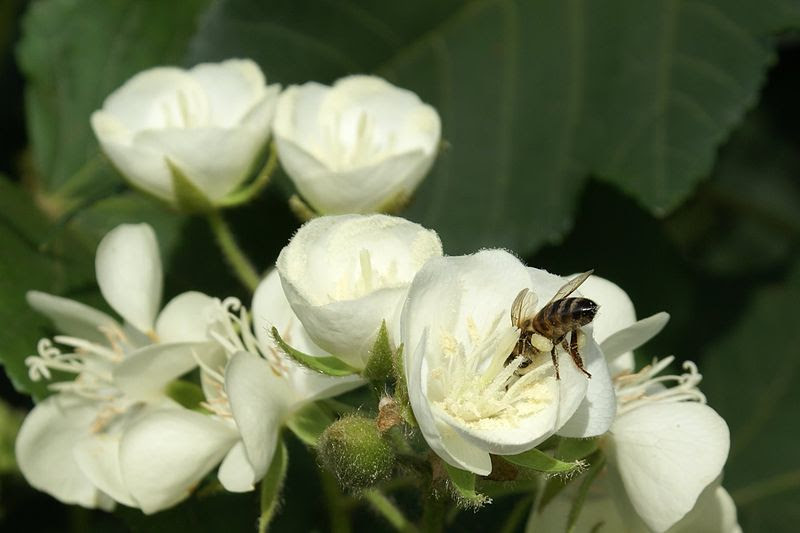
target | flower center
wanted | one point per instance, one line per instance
(475, 383)
(367, 280)
(231, 327)
(92, 364)
(645, 386)
(354, 139)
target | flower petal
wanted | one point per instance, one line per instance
(72, 318)
(232, 87)
(97, 456)
(616, 346)
(260, 401)
(616, 310)
(271, 309)
(596, 412)
(145, 373)
(235, 473)
(129, 274)
(714, 512)
(164, 454)
(185, 318)
(666, 454)
(44, 450)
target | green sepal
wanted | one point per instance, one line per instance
(309, 422)
(301, 210)
(188, 198)
(574, 449)
(379, 365)
(463, 483)
(188, 395)
(541, 462)
(271, 486)
(330, 365)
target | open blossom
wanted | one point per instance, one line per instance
(666, 447)
(251, 390)
(466, 395)
(344, 275)
(210, 123)
(360, 146)
(71, 445)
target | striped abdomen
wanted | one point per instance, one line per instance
(562, 316)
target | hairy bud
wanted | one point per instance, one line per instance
(353, 450)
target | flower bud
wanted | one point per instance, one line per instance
(361, 146)
(353, 450)
(188, 136)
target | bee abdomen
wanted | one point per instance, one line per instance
(562, 316)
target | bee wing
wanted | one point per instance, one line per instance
(570, 286)
(522, 306)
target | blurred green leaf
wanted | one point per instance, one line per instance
(34, 256)
(752, 378)
(309, 422)
(747, 217)
(73, 54)
(534, 96)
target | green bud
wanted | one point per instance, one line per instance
(354, 451)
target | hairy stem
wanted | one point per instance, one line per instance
(388, 510)
(241, 265)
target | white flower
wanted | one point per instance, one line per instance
(209, 122)
(250, 388)
(360, 146)
(467, 399)
(344, 275)
(665, 446)
(71, 445)
(714, 512)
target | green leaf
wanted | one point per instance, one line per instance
(463, 483)
(271, 487)
(330, 365)
(73, 54)
(34, 256)
(574, 449)
(752, 378)
(638, 93)
(540, 461)
(309, 422)
(380, 362)
(186, 394)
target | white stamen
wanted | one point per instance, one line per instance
(645, 386)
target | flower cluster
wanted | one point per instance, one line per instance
(488, 360)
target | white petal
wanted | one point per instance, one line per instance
(144, 168)
(232, 87)
(128, 266)
(98, 457)
(271, 309)
(185, 318)
(72, 318)
(260, 401)
(235, 473)
(599, 407)
(666, 454)
(145, 373)
(164, 454)
(216, 160)
(617, 346)
(44, 449)
(714, 512)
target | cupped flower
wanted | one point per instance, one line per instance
(665, 446)
(69, 444)
(208, 123)
(251, 389)
(345, 275)
(469, 396)
(361, 146)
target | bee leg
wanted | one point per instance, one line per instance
(576, 356)
(555, 360)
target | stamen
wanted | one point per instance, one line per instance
(634, 390)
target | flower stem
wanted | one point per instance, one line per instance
(389, 510)
(236, 258)
(338, 514)
(252, 190)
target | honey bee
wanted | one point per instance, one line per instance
(543, 331)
